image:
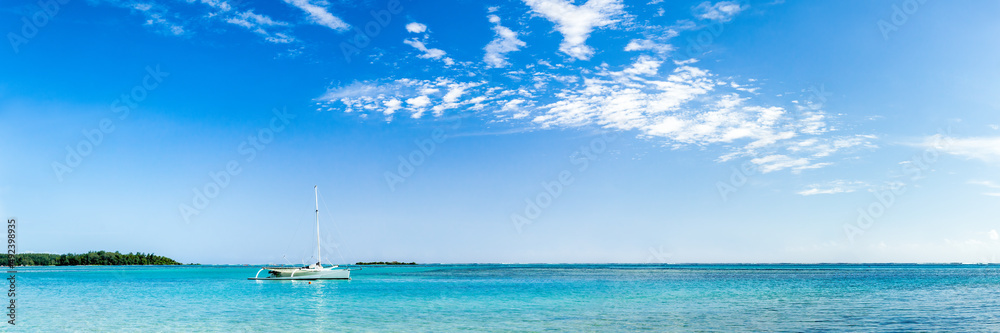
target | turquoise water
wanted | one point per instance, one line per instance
(429, 298)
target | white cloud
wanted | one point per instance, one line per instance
(418, 105)
(428, 53)
(833, 187)
(249, 19)
(222, 6)
(504, 42)
(158, 16)
(648, 45)
(159, 20)
(455, 91)
(359, 89)
(391, 106)
(415, 96)
(260, 24)
(418, 102)
(773, 163)
(685, 62)
(627, 102)
(981, 148)
(452, 99)
(320, 15)
(987, 184)
(514, 106)
(984, 183)
(994, 235)
(644, 66)
(415, 27)
(672, 101)
(155, 16)
(142, 7)
(576, 23)
(683, 107)
(722, 11)
(823, 147)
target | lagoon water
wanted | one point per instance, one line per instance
(721, 298)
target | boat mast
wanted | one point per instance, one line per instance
(318, 249)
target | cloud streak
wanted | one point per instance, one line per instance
(833, 187)
(722, 11)
(981, 148)
(320, 15)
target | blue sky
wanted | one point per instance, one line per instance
(520, 132)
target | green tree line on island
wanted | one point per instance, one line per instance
(91, 258)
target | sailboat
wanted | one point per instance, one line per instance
(312, 272)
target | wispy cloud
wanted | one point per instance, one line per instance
(833, 187)
(985, 183)
(250, 20)
(648, 45)
(261, 25)
(320, 15)
(722, 11)
(166, 19)
(505, 41)
(155, 15)
(576, 23)
(414, 96)
(826, 146)
(220, 5)
(682, 104)
(773, 163)
(988, 184)
(428, 53)
(419, 44)
(981, 148)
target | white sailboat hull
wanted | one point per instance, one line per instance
(291, 273)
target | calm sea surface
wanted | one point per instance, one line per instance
(432, 298)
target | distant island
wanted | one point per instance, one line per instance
(102, 258)
(385, 263)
